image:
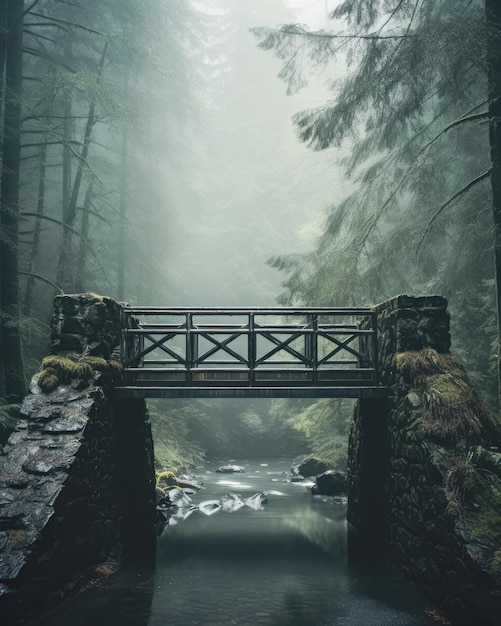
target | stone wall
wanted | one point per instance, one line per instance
(418, 488)
(76, 477)
(86, 322)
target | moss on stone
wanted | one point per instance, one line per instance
(166, 477)
(48, 380)
(417, 365)
(63, 367)
(60, 370)
(452, 409)
(313, 465)
(102, 365)
(83, 370)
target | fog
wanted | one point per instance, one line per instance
(254, 189)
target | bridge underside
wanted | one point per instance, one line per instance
(130, 392)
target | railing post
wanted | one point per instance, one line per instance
(190, 356)
(251, 350)
(314, 347)
(375, 358)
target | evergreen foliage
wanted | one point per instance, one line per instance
(410, 118)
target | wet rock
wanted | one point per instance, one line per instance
(310, 466)
(232, 502)
(256, 501)
(230, 469)
(210, 507)
(178, 498)
(188, 483)
(73, 424)
(330, 483)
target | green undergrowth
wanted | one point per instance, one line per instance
(453, 410)
(60, 370)
(478, 489)
(9, 414)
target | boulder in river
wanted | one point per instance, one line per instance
(230, 469)
(232, 502)
(330, 483)
(310, 466)
(256, 501)
(209, 507)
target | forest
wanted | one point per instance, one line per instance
(175, 152)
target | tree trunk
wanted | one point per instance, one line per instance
(84, 236)
(10, 335)
(28, 296)
(123, 216)
(493, 18)
(63, 277)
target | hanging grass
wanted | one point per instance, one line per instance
(453, 409)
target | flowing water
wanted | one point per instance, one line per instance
(247, 562)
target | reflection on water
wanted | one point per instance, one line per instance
(123, 598)
(284, 564)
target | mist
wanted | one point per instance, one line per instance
(250, 190)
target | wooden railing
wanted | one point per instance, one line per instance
(240, 348)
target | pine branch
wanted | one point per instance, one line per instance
(451, 201)
(91, 212)
(32, 6)
(299, 30)
(73, 230)
(373, 220)
(42, 278)
(53, 20)
(47, 57)
(483, 117)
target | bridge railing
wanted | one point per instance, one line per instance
(211, 347)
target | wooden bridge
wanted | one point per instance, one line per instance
(261, 352)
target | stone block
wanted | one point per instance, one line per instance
(72, 325)
(70, 342)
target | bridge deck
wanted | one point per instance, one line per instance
(130, 392)
(280, 352)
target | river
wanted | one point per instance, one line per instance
(283, 562)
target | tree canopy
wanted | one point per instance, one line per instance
(409, 118)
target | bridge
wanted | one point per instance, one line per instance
(261, 352)
(78, 449)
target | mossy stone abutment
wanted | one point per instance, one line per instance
(77, 483)
(77, 475)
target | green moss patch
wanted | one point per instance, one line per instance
(165, 480)
(60, 370)
(452, 409)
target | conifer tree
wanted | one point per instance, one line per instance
(413, 108)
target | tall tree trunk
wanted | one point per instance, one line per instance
(122, 216)
(10, 333)
(493, 19)
(84, 236)
(63, 277)
(28, 296)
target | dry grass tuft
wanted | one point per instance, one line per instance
(453, 409)
(417, 365)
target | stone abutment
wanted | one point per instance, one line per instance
(423, 464)
(77, 476)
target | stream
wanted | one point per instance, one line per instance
(280, 562)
